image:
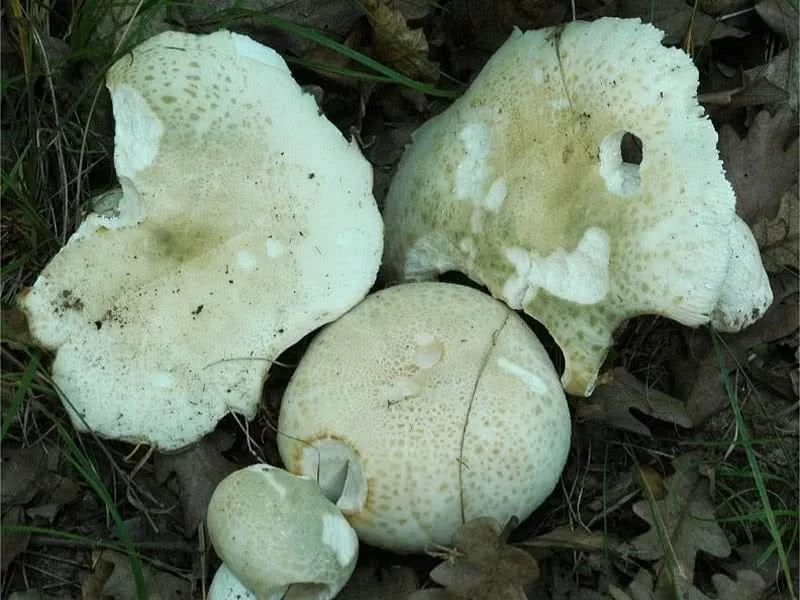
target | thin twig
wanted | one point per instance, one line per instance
(148, 546)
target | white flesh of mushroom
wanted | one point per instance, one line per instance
(226, 586)
(278, 537)
(424, 407)
(246, 221)
(746, 293)
(522, 185)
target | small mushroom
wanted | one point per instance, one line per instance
(278, 537)
(245, 221)
(424, 407)
(526, 184)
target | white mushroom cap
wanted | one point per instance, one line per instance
(746, 293)
(246, 222)
(278, 536)
(426, 406)
(521, 185)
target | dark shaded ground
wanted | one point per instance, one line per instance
(661, 441)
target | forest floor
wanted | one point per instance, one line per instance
(682, 480)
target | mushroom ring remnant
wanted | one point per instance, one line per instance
(424, 407)
(246, 221)
(522, 185)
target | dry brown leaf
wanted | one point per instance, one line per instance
(781, 16)
(12, 544)
(23, 474)
(674, 17)
(781, 75)
(482, 566)
(762, 165)
(758, 558)
(618, 392)
(567, 538)
(432, 594)
(413, 10)
(641, 588)
(199, 469)
(390, 583)
(131, 22)
(26, 475)
(748, 585)
(779, 238)
(682, 524)
(723, 7)
(334, 18)
(397, 45)
(332, 60)
(92, 586)
(486, 24)
(648, 478)
(700, 379)
(758, 92)
(37, 594)
(15, 327)
(112, 577)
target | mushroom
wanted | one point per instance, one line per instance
(522, 184)
(245, 221)
(278, 537)
(424, 407)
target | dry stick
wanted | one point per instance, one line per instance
(201, 549)
(151, 546)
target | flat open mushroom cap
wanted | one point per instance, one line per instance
(246, 222)
(522, 184)
(424, 407)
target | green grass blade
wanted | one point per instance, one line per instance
(758, 479)
(20, 393)
(84, 466)
(312, 35)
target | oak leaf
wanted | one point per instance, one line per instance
(482, 566)
(682, 524)
(778, 237)
(618, 392)
(398, 45)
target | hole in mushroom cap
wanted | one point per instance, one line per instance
(621, 156)
(630, 147)
(337, 468)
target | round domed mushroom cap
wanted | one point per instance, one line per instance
(424, 407)
(275, 531)
(522, 184)
(246, 221)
